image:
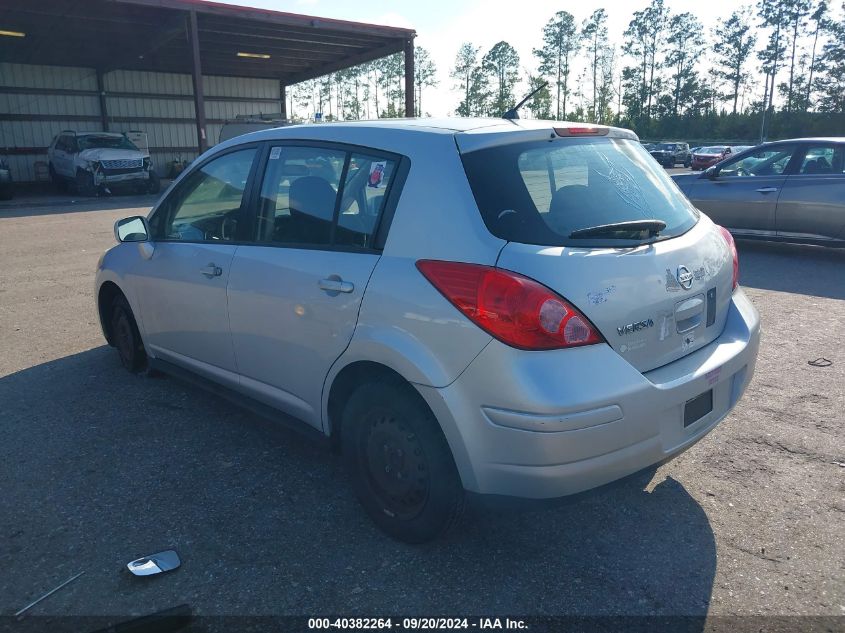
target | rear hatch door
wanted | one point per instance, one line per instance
(653, 303)
(654, 295)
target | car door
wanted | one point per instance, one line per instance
(182, 286)
(63, 156)
(812, 203)
(742, 193)
(294, 294)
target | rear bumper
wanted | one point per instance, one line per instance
(549, 424)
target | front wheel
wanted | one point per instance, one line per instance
(58, 182)
(400, 463)
(153, 183)
(85, 183)
(126, 337)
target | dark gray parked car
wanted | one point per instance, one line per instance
(790, 191)
(670, 154)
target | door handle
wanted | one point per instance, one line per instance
(336, 285)
(767, 189)
(211, 271)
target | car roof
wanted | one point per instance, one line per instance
(393, 134)
(454, 125)
(115, 134)
(810, 139)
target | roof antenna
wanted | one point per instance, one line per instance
(512, 113)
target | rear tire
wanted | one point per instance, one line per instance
(126, 337)
(401, 467)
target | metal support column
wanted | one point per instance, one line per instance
(101, 91)
(199, 97)
(283, 98)
(409, 77)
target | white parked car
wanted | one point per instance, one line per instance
(96, 161)
(510, 308)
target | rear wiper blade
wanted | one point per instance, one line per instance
(653, 227)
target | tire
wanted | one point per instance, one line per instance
(85, 183)
(401, 467)
(125, 336)
(153, 184)
(58, 182)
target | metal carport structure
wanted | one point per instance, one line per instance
(192, 37)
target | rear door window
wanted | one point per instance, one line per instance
(542, 192)
(299, 195)
(364, 197)
(822, 160)
(323, 197)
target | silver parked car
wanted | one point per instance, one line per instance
(508, 308)
(783, 191)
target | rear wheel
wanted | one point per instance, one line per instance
(400, 464)
(126, 337)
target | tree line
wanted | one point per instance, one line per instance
(367, 91)
(775, 68)
(653, 82)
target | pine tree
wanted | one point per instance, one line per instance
(560, 42)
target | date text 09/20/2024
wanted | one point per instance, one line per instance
(436, 624)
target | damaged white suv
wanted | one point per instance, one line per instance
(98, 161)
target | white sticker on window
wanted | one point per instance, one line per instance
(275, 153)
(376, 179)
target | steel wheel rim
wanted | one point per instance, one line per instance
(397, 471)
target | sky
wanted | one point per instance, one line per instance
(442, 25)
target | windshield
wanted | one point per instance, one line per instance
(110, 142)
(666, 146)
(539, 192)
(711, 150)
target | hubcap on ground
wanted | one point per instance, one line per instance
(396, 465)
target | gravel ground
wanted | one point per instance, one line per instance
(98, 467)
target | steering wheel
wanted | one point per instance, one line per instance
(741, 171)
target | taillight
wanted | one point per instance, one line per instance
(515, 309)
(732, 246)
(583, 130)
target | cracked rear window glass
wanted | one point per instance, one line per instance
(540, 192)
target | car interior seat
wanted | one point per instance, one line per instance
(571, 208)
(818, 166)
(312, 201)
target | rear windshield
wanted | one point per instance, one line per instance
(711, 150)
(539, 192)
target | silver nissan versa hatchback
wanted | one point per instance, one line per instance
(507, 308)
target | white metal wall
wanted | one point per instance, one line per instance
(160, 104)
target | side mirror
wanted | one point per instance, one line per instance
(711, 172)
(134, 229)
